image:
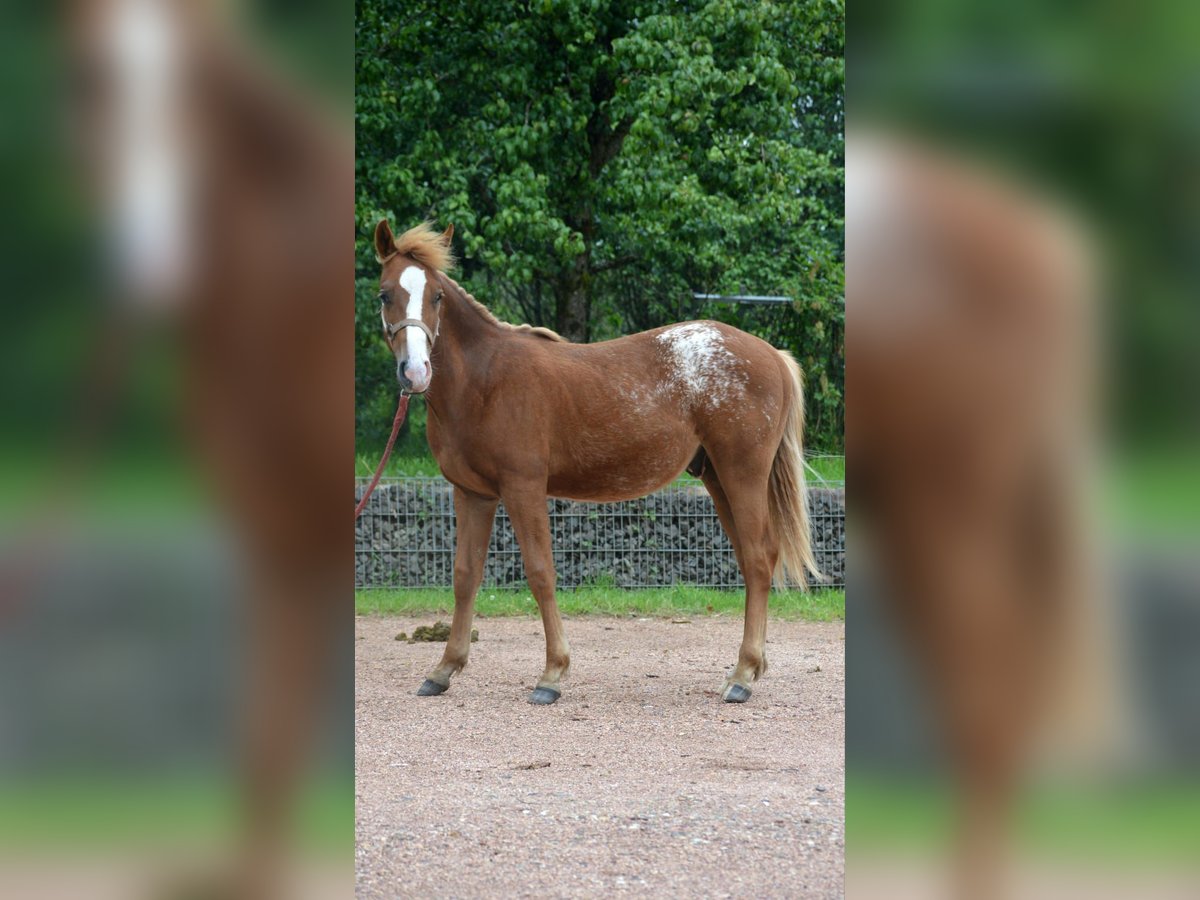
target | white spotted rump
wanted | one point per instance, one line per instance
(702, 367)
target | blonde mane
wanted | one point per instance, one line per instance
(489, 316)
(424, 244)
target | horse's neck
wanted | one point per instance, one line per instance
(465, 340)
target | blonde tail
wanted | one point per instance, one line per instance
(788, 495)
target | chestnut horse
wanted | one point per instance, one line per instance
(519, 414)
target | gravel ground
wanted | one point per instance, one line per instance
(639, 781)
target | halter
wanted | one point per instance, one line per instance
(392, 330)
(401, 407)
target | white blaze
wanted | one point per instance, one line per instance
(148, 203)
(412, 280)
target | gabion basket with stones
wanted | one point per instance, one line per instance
(405, 539)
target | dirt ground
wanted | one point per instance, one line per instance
(639, 781)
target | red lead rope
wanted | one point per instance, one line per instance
(401, 410)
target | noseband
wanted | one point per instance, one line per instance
(393, 330)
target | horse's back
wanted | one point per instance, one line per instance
(700, 363)
(624, 417)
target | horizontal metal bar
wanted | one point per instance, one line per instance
(741, 298)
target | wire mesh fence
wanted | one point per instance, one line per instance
(405, 539)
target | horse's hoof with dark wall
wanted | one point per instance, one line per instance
(735, 693)
(543, 696)
(431, 689)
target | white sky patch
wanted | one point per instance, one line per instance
(412, 280)
(702, 365)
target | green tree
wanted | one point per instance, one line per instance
(601, 160)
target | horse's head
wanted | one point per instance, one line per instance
(410, 297)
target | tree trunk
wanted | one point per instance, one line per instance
(573, 293)
(573, 301)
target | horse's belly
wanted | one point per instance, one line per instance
(620, 467)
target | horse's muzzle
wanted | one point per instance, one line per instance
(414, 379)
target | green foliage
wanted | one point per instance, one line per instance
(601, 160)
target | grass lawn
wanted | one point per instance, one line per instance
(1157, 493)
(823, 468)
(1145, 822)
(108, 810)
(111, 482)
(817, 606)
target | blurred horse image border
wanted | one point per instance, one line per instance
(221, 185)
(517, 414)
(974, 327)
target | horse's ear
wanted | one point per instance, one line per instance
(447, 235)
(385, 242)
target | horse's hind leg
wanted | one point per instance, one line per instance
(531, 523)
(724, 513)
(745, 498)
(473, 518)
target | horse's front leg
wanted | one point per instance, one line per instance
(531, 523)
(473, 518)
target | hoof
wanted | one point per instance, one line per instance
(431, 689)
(735, 693)
(544, 696)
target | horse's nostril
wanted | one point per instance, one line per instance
(413, 375)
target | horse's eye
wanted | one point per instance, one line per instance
(437, 298)
(384, 298)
